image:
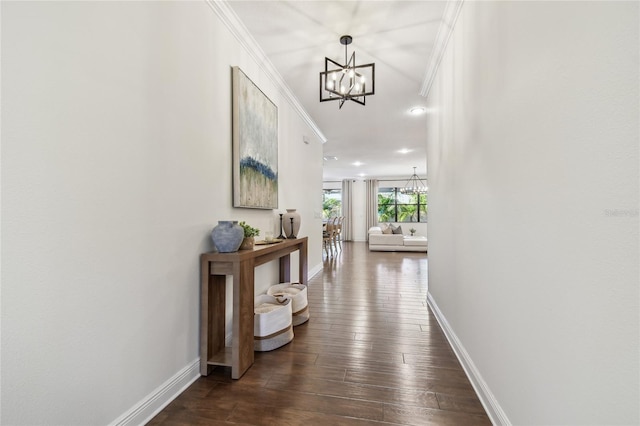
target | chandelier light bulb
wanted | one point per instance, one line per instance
(330, 84)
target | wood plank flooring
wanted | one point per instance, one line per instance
(371, 353)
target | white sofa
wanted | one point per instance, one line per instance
(395, 242)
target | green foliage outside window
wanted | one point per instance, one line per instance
(393, 206)
(331, 203)
(386, 207)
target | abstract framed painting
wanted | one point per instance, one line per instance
(255, 145)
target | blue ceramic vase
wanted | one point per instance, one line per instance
(227, 236)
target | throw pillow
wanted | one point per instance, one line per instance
(387, 230)
(397, 230)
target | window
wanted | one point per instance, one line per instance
(331, 203)
(394, 206)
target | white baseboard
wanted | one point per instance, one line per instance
(488, 400)
(317, 269)
(153, 403)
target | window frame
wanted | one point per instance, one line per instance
(396, 206)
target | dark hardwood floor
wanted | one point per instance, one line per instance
(371, 353)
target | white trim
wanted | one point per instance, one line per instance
(488, 400)
(152, 404)
(240, 32)
(449, 17)
(312, 273)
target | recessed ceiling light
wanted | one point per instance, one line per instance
(417, 110)
(362, 175)
(329, 158)
(404, 151)
(357, 163)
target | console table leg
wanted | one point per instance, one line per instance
(205, 318)
(212, 316)
(243, 322)
(285, 269)
(302, 265)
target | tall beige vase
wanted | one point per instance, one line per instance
(287, 222)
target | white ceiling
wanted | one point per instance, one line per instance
(398, 36)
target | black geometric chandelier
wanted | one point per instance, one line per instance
(414, 185)
(349, 82)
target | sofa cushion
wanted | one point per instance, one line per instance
(397, 230)
(415, 241)
(390, 240)
(387, 230)
(375, 230)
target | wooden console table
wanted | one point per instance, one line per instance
(214, 268)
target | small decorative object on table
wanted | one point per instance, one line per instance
(281, 236)
(227, 236)
(249, 234)
(265, 242)
(413, 231)
(291, 223)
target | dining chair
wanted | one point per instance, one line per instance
(328, 237)
(338, 234)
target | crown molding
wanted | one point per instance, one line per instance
(449, 17)
(240, 32)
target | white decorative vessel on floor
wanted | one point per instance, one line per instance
(272, 326)
(297, 293)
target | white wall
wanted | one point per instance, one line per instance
(533, 214)
(116, 164)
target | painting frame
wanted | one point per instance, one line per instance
(255, 145)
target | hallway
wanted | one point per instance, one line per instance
(371, 353)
